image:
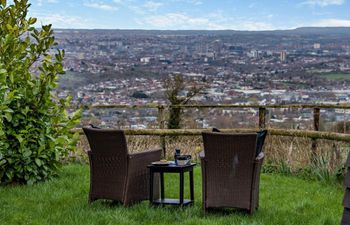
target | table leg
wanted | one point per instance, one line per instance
(162, 185)
(181, 188)
(151, 175)
(191, 185)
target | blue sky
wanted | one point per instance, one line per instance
(191, 14)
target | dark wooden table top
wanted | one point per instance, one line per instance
(172, 167)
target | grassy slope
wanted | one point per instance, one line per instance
(336, 76)
(283, 200)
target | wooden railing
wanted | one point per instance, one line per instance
(162, 132)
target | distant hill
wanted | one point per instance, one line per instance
(297, 31)
(322, 30)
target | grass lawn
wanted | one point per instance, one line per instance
(283, 200)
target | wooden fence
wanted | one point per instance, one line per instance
(162, 132)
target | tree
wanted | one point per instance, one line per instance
(34, 124)
(139, 94)
(175, 86)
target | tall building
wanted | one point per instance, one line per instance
(253, 54)
(283, 56)
(317, 46)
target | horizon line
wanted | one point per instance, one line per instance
(140, 29)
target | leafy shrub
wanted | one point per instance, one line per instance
(318, 171)
(280, 166)
(34, 123)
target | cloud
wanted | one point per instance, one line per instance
(101, 6)
(196, 2)
(323, 3)
(333, 23)
(152, 6)
(211, 22)
(41, 2)
(135, 7)
(140, 9)
(178, 20)
(62, 21)
(193, 2)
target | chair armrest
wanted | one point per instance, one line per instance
(151, 155)
(138, 162)
(143, 159)
(137, 184)
(260, 157)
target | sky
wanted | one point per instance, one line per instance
(191, 14)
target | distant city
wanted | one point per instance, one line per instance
(305, 65)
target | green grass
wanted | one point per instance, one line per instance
(336, 76)
(283, 200)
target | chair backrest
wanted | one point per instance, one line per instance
(108, 141)
(229, 162)
(108, 162)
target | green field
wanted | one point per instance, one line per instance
(336, 76)
(283, 201)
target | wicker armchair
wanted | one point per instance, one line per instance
(114, 173)
(230, 171)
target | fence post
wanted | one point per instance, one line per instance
(161, 123)
(344, 123)
(262, 118)
(316, 128)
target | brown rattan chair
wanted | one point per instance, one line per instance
(114, 173)
(230, 171)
